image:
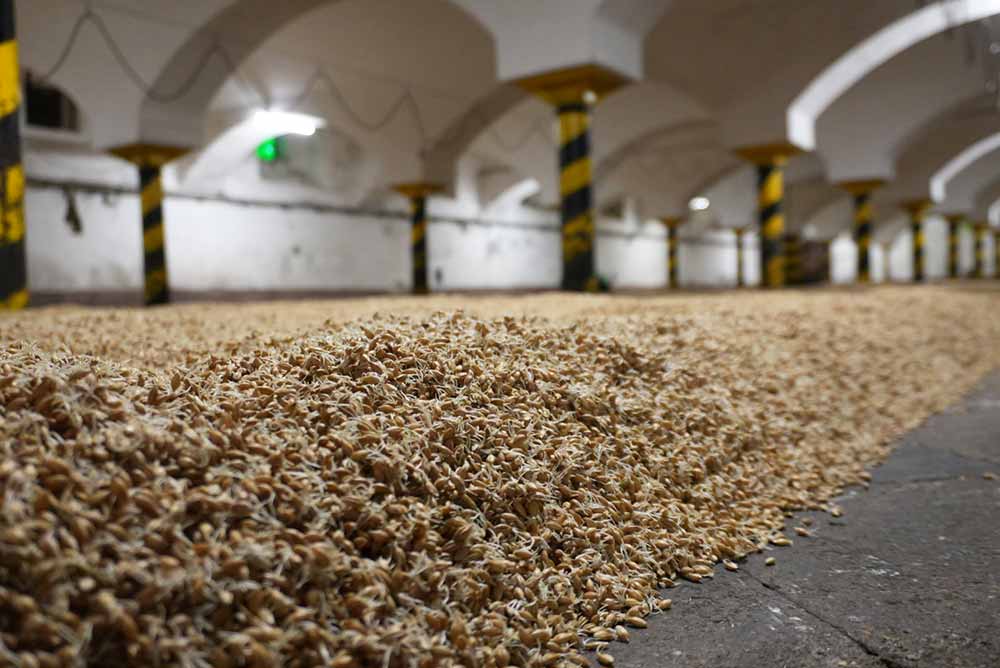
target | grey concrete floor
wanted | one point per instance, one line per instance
(908, 577)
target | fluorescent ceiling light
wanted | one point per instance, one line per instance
(277, 123)
(698, 203)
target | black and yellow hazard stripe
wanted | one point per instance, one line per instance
(154, 264)
(863, 216)
(150, 159)
(672, 224)
(954, 228)
(13, 263)
(793, 259)
(917, 209)
(575, 193)
(417, 194)
(979, 268)
(917, 231)
(739, 256)
(828, 247)
(569, 90)
(771, 160)
(418, 243)
(996, 253)
(770, 192)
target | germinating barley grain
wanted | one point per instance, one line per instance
(325, 484)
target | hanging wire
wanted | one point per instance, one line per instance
(406, 99)
(539, 128)
(89, 16)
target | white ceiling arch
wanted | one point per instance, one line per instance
(747, 60)
(977, 167)
(929, 148)
(960, 163)
(985, 203)
(239, 30)
(856, 63)
(897, 101)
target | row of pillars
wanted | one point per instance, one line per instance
(571, 92)
(917, 211)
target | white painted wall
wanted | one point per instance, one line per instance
(215, 245)
(219, 246)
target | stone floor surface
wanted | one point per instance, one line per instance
(908, 577)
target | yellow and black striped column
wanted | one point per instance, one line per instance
(886, 264)
(418, 193)
(672, 224)
(996, 253)
(571, 91)
(979, 269)
(154, 259)
(864, 215)
(13, 262)
(738, 232)
(828, 247)
(771, 161)
(576, 196)
(150, 159)
(954, 228)
(917, 209)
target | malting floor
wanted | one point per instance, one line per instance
(492, 481)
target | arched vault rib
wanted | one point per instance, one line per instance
(859, 61)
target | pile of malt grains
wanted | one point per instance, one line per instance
(315, 484)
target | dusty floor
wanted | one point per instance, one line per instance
(389, 482)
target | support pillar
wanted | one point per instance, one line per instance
(886, 265)
(13, 258)
(770, 161)
(917, 209)
(739, 231)
(996, 253)
(672, 223)
(828, 247)
(150, 160)
(979, 270)
(418, 193)
(571, 91)
(955, 221)
(863, 216)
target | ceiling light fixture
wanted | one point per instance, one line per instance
(277, 123)
(698, 203)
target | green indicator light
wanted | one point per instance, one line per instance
(268, 151)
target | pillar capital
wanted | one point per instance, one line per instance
(417, 189)
(148, 155)
(955, 218)
(916, 207)
(777, 153)
(571, 85)
(862, 186)
(672, 221)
